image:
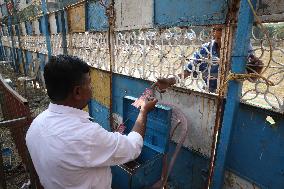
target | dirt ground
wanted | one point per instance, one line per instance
(38, 101)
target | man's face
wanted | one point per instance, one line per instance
(86, 90)
(217, 34)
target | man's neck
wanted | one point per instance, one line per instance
(66, 103)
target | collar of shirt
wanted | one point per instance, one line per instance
(61, 109)
(214, 48)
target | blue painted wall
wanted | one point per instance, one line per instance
(58, 22)
(4, 10)
(125, 86)
(190, 170)
(29, 27)
(17, 29)
(256, 151)
(19, 52)
(44, 26)
(42, 61)
(40, 27)
(17, 63)
(8, 53)
(96, 18)
(28, 60)
(257, 148)
(100, 113)
(189, 12)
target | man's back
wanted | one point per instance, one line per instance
(69, 151)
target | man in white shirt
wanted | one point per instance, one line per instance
(67, 149)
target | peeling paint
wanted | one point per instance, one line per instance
(101, 86)
(270, 120)
(200, 127)
(134, 14)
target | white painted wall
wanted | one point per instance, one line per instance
(34, 55)
(23, 28)
(200, 112)
(133, 14)
(36, 27)
(52, 23)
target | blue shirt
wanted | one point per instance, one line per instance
(197, 63)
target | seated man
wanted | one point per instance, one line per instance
(198, 65)
(67, 149)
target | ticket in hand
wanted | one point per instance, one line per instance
(147, 94)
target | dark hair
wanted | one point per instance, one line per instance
(62, 73)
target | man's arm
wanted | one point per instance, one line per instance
(165, 83)
(254, 64)
(140, 124)
(113, 148)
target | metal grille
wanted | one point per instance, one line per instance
(91, 47)
(56, 44)
(147, 54)
(34, 43)
(259, 92)
(152, 54)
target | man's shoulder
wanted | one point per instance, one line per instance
(206, 45)
(205, 48)
(41, 115)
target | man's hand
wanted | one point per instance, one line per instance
(148, 105)
(254, 65)
(164, 83)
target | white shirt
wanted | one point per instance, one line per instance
(70, 151)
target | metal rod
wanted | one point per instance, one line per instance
(5, 123)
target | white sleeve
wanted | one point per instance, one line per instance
(250, 49)
(108, 148)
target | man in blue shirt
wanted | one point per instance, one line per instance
(197, 64)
